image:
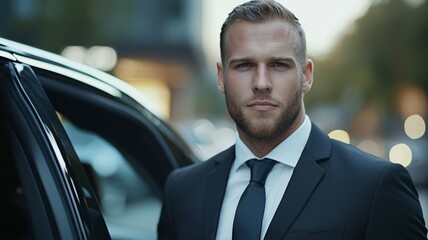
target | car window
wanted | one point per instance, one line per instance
(121, 150)
(130, 206)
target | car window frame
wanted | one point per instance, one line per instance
(53, 180)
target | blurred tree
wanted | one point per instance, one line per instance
(384, 49)
(50, 24)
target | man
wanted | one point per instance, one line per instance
(317, 188)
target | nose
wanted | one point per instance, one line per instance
(262, 82)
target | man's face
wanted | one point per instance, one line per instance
(262, 79)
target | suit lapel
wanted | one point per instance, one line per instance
(303, 182)
(216, 186)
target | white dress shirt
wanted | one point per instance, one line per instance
(286, 153)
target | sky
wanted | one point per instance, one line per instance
(324, 21)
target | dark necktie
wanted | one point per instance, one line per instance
(247, 224)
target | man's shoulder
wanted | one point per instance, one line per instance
(350, 154)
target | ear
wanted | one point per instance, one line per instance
(308, 76)
(220, 77)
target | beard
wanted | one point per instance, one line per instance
(263, 126)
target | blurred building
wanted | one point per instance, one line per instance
(154, 45)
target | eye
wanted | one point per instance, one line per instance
(280, 66)
(244, 66)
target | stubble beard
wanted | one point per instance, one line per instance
(264, 128)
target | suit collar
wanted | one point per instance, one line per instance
(303, 182)
(216, 186)
(319, 144)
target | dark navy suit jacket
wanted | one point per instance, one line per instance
(335, 192)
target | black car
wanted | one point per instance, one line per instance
(82, 156)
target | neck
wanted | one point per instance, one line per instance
(261, 147)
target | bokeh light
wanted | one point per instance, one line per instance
(414, 126)
(340, 135)
(401, 153)
(101, 57)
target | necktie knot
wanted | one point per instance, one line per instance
(260, 169)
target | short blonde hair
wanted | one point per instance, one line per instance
(260, 11)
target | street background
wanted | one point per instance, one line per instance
(370, 80)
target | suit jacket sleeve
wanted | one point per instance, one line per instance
(396, 212)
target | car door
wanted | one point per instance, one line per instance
(126, 151)
(46, 193)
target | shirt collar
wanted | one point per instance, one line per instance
(287, 152)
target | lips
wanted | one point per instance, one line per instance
(261, 105)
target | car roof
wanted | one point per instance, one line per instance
(47, 60)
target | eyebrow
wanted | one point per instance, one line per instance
(271, 59)
(239, 60)
(285, 59)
